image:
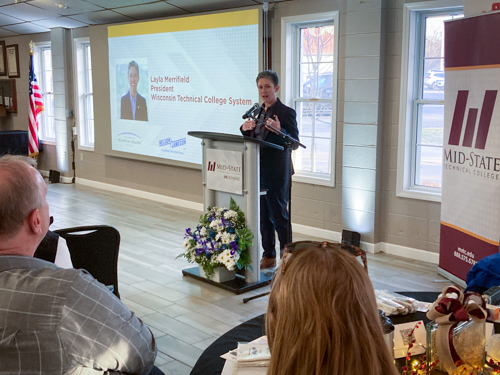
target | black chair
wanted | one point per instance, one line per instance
(95, 249)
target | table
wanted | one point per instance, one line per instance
(14, 142)
(210, 362)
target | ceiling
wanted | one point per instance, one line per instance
(37, 16)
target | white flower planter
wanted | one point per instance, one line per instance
(220, 275)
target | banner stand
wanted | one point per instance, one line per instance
(470, 201)
(454, 279)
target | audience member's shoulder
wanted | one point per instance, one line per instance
(39, 268)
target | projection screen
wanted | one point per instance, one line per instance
(172, 76)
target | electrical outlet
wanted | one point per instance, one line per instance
(81, 156)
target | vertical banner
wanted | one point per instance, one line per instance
(470, 206)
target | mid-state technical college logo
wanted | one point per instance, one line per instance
(211, 166)
(473, 162)
(490, 97)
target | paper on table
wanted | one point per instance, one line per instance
(231, 368)
(401, 338)
(253, 352)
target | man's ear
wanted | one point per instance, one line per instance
(35, 221)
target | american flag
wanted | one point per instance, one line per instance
(36, 106)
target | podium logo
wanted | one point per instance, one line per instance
(211, 166)
(483, 128)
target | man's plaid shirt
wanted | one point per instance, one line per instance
(63, 321)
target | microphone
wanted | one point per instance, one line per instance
(251, 111)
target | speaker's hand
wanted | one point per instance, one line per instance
(273, 124)
(249, 124)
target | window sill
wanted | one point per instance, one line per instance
(85, 148)
(47, 142)
(419, 194)
(313, 181)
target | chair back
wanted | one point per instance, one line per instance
(95, 249)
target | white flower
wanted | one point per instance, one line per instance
(186, 244)
(214, 224)
(226, 238)
(203, 231)
(228, 260)
(230, 214)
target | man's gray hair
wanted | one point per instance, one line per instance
(269, 74)
(19, 193)
(131, 64)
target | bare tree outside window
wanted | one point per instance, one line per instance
(429, 104)
(313, 102)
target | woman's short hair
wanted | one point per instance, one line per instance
(269, 74)
(322, 317)
(133, 64)
(19, 194)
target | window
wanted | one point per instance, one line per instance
(422, 110)
(85, 97)
(43, 71)
(310, 63)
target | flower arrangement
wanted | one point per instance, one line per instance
(220, 240)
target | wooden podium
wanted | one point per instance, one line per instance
(248, 199)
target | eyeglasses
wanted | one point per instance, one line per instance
(295, 247)
(51, 220)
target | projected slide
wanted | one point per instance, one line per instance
(174, 76)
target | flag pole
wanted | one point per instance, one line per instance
(36, 106)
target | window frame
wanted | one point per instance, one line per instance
(81, 77)
(412, 76)
(39, 68)
(290, 80)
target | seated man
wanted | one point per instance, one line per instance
(56, 321)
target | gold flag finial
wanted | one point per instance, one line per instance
(32, 45)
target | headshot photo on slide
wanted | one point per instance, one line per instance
(132, 78)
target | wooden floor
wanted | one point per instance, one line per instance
(186, 315)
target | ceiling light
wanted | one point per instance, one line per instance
(61, 6)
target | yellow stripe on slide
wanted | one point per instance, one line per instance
(210, 21)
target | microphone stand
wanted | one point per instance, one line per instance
(291, 143)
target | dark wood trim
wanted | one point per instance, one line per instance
(3, 55)
(15, 72)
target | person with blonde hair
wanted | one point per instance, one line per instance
(322, 316)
